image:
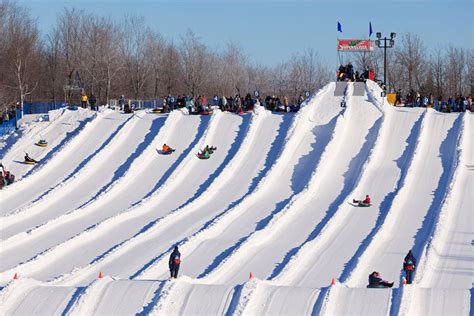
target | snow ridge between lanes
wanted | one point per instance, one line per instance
(429, 255)
(44, 169)
(115, 188)
(277, 223)
(228, 217)
(28, 133)
(36, 263)
(89, 299)
(307, 251)
(219, 184)
(40, 205)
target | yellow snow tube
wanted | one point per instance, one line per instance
(156, 110)
(29, 162)
(42, 144)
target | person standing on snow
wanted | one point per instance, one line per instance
(175, 262)
(409, 264)
(84, 100)
(121, 102)
(92, 102)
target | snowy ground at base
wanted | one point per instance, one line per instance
(274, 201)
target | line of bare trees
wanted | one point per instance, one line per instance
(445, 71)
(127, 57)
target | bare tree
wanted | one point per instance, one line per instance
(134, 43)
(170, 69)
(470, 71)
(233, 70)
(195, 61)
(70, 32)
(52, 54)
(437, 66)
(156, 52)
(456, 65)
(410, 56)
(22, 52)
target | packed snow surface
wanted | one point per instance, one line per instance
(263, 226)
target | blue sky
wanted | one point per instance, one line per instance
(269, 31)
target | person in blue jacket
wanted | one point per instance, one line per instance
(174, 263)
(409, 265)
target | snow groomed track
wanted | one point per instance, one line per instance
(273, 201)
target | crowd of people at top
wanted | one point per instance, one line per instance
(452, 104)
(347, 73)
(201, 104)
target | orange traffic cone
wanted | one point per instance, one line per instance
(15, 277)
(251, 275)
(333, 282)
(404, 281)
(100, 275)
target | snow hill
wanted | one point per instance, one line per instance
(273, 202)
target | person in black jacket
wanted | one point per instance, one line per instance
(174, 263)
(92, 102)
(409, 265)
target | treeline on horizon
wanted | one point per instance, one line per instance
(127, 57)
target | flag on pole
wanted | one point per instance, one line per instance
(339, 27)
(370, 29)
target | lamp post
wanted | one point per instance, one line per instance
(387, 43)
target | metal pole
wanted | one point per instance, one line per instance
(385, 63)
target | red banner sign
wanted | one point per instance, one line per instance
(355, 45)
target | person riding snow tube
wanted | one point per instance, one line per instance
(204, 155)
(210, 150)
(127, 109)
(6, 178)
(376, 281)
(166, 150)
(29, 160)
(42, 143)
(363, 203)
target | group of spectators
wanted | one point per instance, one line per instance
(277, 104)
(7, 114)
(202, 105)
(90, 100)
(347, 73)
(452, 104)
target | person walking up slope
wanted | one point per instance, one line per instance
(409, 264)
(175, 262)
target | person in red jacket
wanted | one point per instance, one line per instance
(366, 201)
